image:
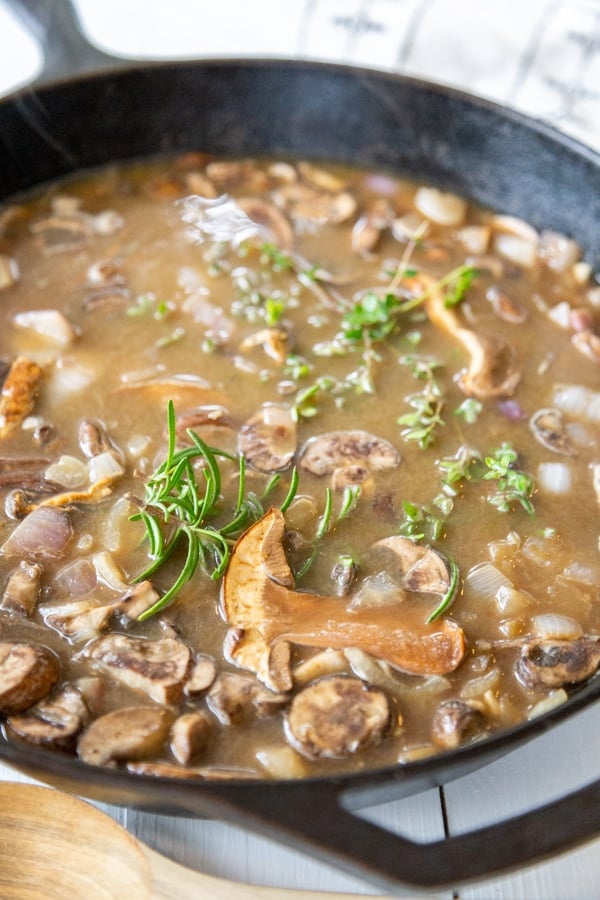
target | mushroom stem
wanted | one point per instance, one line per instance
(493, 369)
(258, 599)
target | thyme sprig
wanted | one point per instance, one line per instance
(177, 509)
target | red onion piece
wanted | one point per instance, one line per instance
(45, 532)
(512, 410)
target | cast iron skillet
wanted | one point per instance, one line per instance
(493, 156)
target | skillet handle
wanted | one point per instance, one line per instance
(317, 820)
(65, 47)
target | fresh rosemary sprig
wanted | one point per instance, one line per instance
(176, 509)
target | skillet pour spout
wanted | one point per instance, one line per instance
(371, 119)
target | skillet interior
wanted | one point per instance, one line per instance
(492, 156)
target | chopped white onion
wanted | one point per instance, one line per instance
(108, 572)
(377, 590)
(440, 206)
(68, 377)
(558, 251)
(552, 701)
(582, 272)
(77, 578)
(510, 601)
(554, 477)
(69, 472)
(475, 238)
(517, 249)
(561, 314)
(578, 400)
(115, 523)
(517, 227)
(551, 626)
(104, 467)
(281, 762)
(484, 581)
(9, 271)
(49, 323)
(478, 687)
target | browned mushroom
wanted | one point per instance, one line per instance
(454, 722)
(261, 605)
(554, 663)
(28, 672)
(22, 589)
(202, 675)
(417, 567)
(548, 428)
(131, 733)
(493, 369)
(190, 736)
(275, 341)
(271, 220)
(349, 456)
(268, 439)
(19, 393)
(55, 722)
(157, 668)
(335, 717)
(233, 697)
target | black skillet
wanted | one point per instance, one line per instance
(492, 155)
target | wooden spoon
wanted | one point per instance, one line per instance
(56, 846)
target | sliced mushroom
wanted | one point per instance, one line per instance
(22, 589)
(275, 341)
(93, 439)
(233, 697)
(63, 232)
(367, 230)
(28, 672)
(335, 717)
(190, 736)
(19, 393)
(349, 456)
(212, 417)
(268, 439)
(184, 391)
(494, 369)
(506, 308)
(271, 219)
(454, 722)
(202, 675)
(78, 620)
(131, 733)
(418, 567)
(55, 722)
(44, 533)
(554, 663)
(549, 429)
(157, 668)
(260, 604)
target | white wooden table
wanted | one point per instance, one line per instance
(389, 34)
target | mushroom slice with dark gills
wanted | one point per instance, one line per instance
(554, 663)
(233, 697)
(55, 722)
(156, 668)
(454, 722)
(131, 733)
(549, 429)
(28, 672)
(275, 341)
(418, 567)
(261, 605)
(335, 717)
(268, 439)
(349, 456)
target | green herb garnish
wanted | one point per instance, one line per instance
(512, 484)
(177, 509)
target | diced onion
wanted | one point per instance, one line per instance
(49, 323)
(510, 601)
(475, 238)
(552, 701)
(116, 522)
(558, 251)
(440, 207)
(45, 532)
(516, 249)
(281, 762)
(69, 377)
(109, 572)
(551, 626)
(561, 314)
(69, 472)
(77, 578)
(478, 687)
(104, 467)
(554, 477)
(484, 581)
(578, 400)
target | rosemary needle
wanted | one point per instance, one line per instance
(177, 508)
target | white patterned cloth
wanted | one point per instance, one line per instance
(538, 56)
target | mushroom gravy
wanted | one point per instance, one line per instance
(427, 369)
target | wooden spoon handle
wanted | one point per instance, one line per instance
(170, 880)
